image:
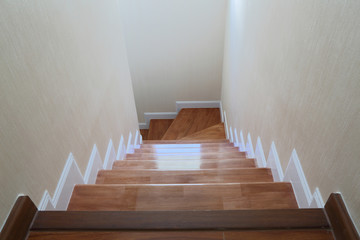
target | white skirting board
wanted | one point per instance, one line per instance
(294, 172)
(71, 175)
(179, 105)
(137, 139)
(129, 146)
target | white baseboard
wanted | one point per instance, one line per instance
(129, 146)
(94, 165)
(221, 112)
(295, 174)
(137, 139)
(317, 200)
(236, 139)
(231, 135)
(143, 126)
(121, 149)
(259, 154)
(110, 156)
(249, 147)
(197, 104)
(226, 126)
(46, 202)
(273, 162)
(242, 142)
(156, 115)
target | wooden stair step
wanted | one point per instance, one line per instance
(184, 156)
(214, 132)
(158, 127)
(191, 120)
(293, 234)
(186, 145)
(183, 165)
(241, 175)
(164, 197)
(144, 133)
(187, 150)
(185, 141)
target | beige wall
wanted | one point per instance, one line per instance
(175, 51)
(291, 74)
(64, 85)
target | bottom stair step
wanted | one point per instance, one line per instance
(186, 176)
(116, 197)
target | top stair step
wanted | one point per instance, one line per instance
(214, 132)
(158, 128)
(192, 120)
(179, 141)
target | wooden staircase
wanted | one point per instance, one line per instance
(187, 182)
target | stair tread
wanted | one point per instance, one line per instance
(294, 234)
(162, 197)
(186, 145)
(191, 120)
(144, 133)
(187, 150)
(158, 128)
(186, 141)
(182, 165)
(214, 132)
(184, 156)
(185, 176)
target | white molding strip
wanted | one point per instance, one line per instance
(137, 139)
(259, 154)
(249, 147)
(141, 140)
(121, 150)
(197, 104)
(46, 202)
(273, 162)
(236, 138)
(221, 112)
(156, 115)
(242, 142)
(110, 156)
(129, 146)
(317, 200)
(231, 135)
(226, 126)
(94, 165)
(295, 174)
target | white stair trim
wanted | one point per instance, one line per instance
(94, 165)
(249, 147)
(110, 156)
(196, 104)
(121, 149)
(259, 154)
(273, 162)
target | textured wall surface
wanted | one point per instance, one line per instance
(175, 51)
(64, 85)
(291, 74)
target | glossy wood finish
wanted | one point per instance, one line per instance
(186, 141)
(185, 156)
(114, 197)
(181, 220)
(196, 235)
(192, 120)
(186, 145)
(182, 165)
(144, 133)
(158, 128)
(214, 132)
(241, 175)
(340, 219)
(18, 223)
(187, 150)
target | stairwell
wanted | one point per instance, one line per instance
(187, 182)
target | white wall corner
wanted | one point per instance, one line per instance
(242, 142)
(196, 104)
(236, 138)
(95, 164)
(231, 135)
(143, 126)
(273, 162)
(226, 126)
(249, 147)
(259, 154)
(156, 115)
(70, 176)
(221, 112)
(137, 139)
(317, 200)
(295, 174)
(121, 149)
(129, 146)
(110, 156)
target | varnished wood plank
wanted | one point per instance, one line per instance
(340, 219)
(182, 165)
(185, 145)
(126, 235)
(209, 141)
(158, 128)
(191, 120)
(318, 234)
(181, 220)
(187, 150)
(241, 175)
(18, 223)
(164, 197)
(144, 133)
(214, 132)
(184, 156)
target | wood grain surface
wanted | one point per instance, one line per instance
(158, 128)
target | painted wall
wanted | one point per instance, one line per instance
(175, 51)
(65, 85)
(291, 74)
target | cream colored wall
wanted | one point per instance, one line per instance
(64, 86)
(292, 75)
(175, 51)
